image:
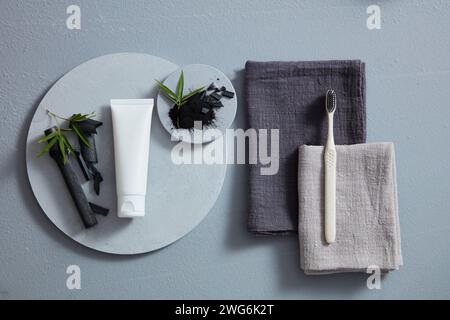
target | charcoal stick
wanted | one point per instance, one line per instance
(74, 186)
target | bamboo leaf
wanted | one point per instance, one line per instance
(68, 144)
(46, 138)
(180, 87)
(59, 135)
(81, 135)
(166, 90)
(62, 148)
(191, 94)
(78, 117)
(90, 115)
(173, 100)
(48, 147)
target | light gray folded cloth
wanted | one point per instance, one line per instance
(367, 223)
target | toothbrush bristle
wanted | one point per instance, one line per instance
(331, 100)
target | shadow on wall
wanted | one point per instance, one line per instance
(283, 248)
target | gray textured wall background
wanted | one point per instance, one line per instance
(408, 73)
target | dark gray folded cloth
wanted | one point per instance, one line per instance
(290, 96)
(367, 222)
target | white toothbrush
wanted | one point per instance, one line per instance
(330, 171)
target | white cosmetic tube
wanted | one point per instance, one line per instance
(131, 119)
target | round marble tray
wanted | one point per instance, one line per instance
(178, 196)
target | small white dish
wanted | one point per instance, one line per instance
(195, 76)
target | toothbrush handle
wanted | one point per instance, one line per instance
(330, 194)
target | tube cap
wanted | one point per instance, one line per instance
(130, 206)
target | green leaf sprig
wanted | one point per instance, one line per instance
(177, 97)
(59, 135)
(74, 125)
